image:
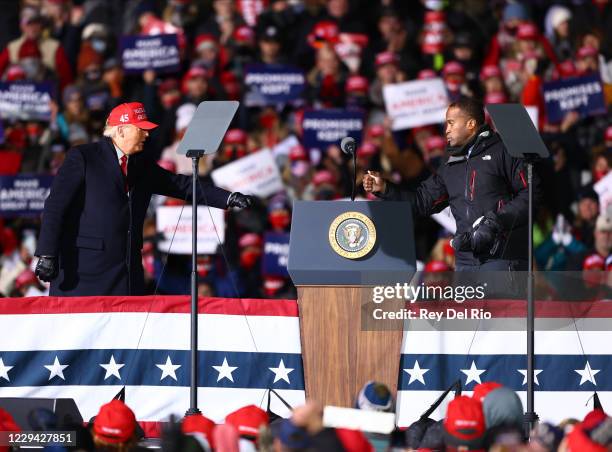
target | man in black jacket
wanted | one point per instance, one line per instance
(91, 236)
(485, 187)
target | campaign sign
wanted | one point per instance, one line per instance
(417, 103)
(323, 128)
(580, 94)
(26, 101)
(272, 84)
(159, 52)
(276, 254)
(23, 195)
(176, 235)
(256, 174)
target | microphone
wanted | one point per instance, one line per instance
(348, 145)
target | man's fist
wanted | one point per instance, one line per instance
(373, 182)
(239, 200)
(46, 268)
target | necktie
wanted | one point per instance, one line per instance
(124, 160)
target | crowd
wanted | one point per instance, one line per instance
(497, 51)
(490, 419)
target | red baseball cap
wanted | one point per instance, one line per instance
(356, 84)
(250, 239)
(593, 262)
(130, 113)
(464, 424)
(609, 133)
(323, 177)
(235, 136)
(481, 390)
(197, 423)
(437, 266)
(376, 130)
(434, 142)
(353, 440)
(367, 149)
(453, 68)
(248, 420)
(527, 30)
(490, 71)
(425, 74)
(386, 58)
(115, 423)
(498, 97)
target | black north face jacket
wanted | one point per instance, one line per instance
(490, 180)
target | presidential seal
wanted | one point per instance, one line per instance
(352, 235)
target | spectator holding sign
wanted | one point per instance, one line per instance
(91, 236)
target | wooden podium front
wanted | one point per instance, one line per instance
(338, 356)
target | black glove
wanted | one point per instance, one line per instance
(486, 235)
(46, 268)
(462, 242)
(239, 200)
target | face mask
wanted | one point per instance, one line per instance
(93, 75)
(32, 68)
(279, 220)
(248, 259)
(203, 269)
(599, 175)
(99, 45)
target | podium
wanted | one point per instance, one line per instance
(338, 252)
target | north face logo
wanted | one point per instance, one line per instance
(486, 157)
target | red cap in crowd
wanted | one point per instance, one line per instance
(353, 440)
(434, 142)
(324, 177)
(15, 73)
(367, 149)
(567, 69)
(609, 133)
(235, 136)
(115, 423)
(244, 34)
(464, 424)
(386, 58)
(298, 153)
(586, 52)
(490, 71)
(248, 420)
(453, 68)
(527, 31)
(197, 423)
(205, 40)
(376, 130)
(130, 113)
(196, 71)
(323, 32)
(481, 390)
(593, 262)
(356, 84)
(250, 239)
(498, 97)
(425, 74)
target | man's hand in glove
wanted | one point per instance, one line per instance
(239, 200)
(485, 235)
(46, 268)
(462, 242)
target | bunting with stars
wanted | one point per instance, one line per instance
(573, 358)
(89, 348)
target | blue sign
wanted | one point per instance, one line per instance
(272, 84)
(159, 52)
(276, 254)
(23, 195)
(323, 128)
(583, 95)
(26, 101)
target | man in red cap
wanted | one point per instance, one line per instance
(91, 235)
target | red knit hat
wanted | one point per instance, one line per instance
(115, 423)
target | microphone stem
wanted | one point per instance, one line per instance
(354, 175)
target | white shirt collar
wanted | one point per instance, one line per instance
(120, 153)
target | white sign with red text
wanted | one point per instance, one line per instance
(256, 174)
(417, 103)
(177, 234)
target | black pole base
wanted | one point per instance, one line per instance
(529, 421)
(192, 411)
